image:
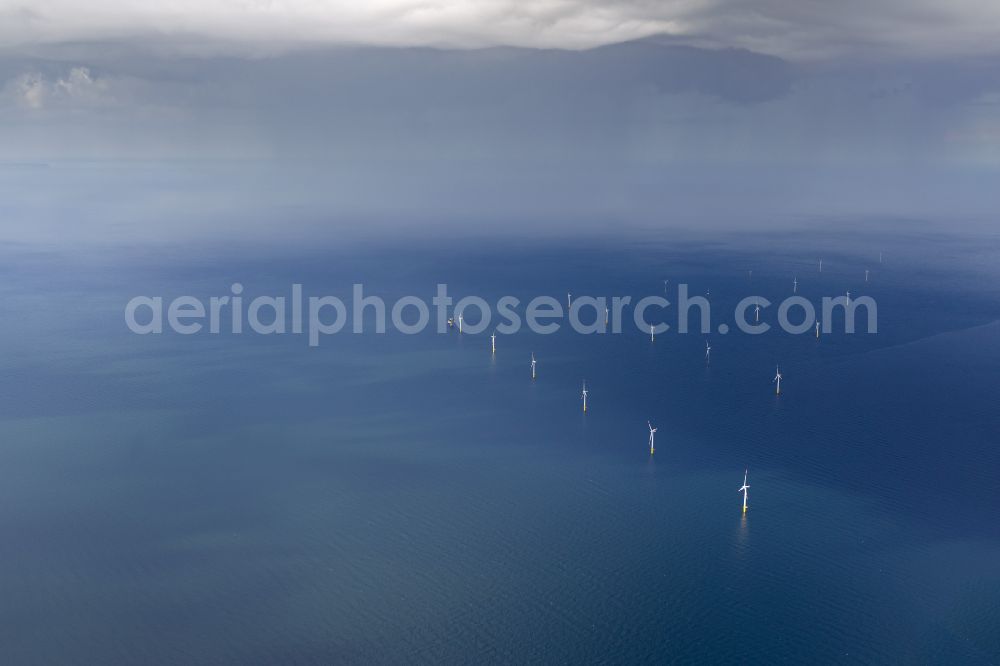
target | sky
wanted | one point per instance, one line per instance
(492, 110)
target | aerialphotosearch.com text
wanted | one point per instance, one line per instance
(320, 316)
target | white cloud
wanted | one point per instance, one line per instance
(791, 28)
(78, 87)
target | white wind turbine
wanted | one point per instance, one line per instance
(652, 431)
(820, 265)
(866, 275)
(777, 378)
(460, 322)
(756, 309)
(652, 338)
(817, 328)
(569, 300)
(493, 341)
(795, 285)
(584, 396)
(743, 489)
(848, 297)
(532, 365)
(708, 352)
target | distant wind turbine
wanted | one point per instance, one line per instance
(652, 431)
(569, 300)
(848, 296)
(708, 352)
(817, 328)
(820, 265)
(459, 323)
(756, 309)
(532, 365)
(866, 275)
(777, 378)
(584, 396)
(652, 338)
(880, 257)
(795, 285)
(493, 340)
(743, 489)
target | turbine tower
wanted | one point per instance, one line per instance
(795, 285)
(756, 309)
(743, 489)
(817, 328)
(652, 338)
(569, 301)
(652, 431)
(777, 378)
(459, 322)
(708, 352)
(866, 275)
(532, 365)
(820, 265)
(493, 341)
(584, 396)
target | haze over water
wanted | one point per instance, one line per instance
(248, 499)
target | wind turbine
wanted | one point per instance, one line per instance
(708, 352)
(817, 328)
(665, 286)
(584, 396)
(651, 336)
(459, 323)
(569, 300)
(880, 257)
(820, 265)
(652, 431)
(848, 296)
(605, 316)
(743, 489)
(532, 365)
(795, 285)
(777, 378)
(493, 340)
(756, 309)
(866, 275)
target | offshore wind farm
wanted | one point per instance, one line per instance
(362, 471)
(330, 331)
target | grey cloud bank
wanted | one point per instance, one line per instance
(783, 27)
(117, 137)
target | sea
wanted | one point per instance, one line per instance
(241, 498)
